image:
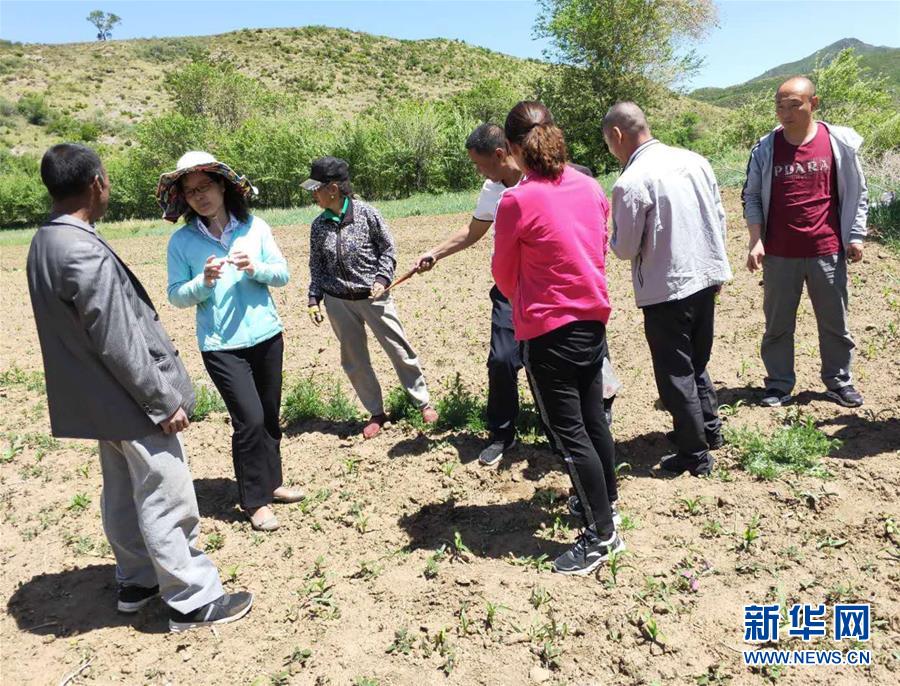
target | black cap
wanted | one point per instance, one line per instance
(325, 170)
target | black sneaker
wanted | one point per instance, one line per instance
(133, 598)
(588, 553)
(772, 397)
(713, 441)
(576, 510)
(493, 451)
(229, 608)
(677, 464)
(846, 396)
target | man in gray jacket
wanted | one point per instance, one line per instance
(805, 203)
(668, 220)
(113, 375)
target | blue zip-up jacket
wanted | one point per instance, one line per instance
(238, 311)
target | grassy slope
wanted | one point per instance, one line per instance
(121, 81)
(877, 59)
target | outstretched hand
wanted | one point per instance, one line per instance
(424, 262)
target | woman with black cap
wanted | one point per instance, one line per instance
(223, 261)
(351, 263)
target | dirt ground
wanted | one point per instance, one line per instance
(355, 567)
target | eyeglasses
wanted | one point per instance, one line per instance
(202, 189)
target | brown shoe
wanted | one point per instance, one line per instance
(373, 427)
(287, 495)
(429, 415)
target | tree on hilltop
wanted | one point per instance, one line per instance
(104, 21)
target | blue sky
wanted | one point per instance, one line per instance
(753, 36)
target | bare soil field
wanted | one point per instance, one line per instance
(411, 564)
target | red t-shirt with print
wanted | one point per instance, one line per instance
(803, 216)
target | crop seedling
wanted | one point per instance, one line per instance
(300, 656)
(231, 573)
(692, 506)
(615, 563)
(80, 502)
(214, 542)
(449, 467)
(351, 465)
(490, 617)
(465, 624)
(540, 596)
(460, 551)
(730, 410)
(541, 563)
(622, 467)
(367, 570)
(431, 565)
(831, 542)
(402, 643)
(651, 632)
(15, 447)
(712, 529)
(750, 534)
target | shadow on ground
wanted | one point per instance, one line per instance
(493, 531)
(218, 499)
(77, 601)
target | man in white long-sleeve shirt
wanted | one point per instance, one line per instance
(668, 220)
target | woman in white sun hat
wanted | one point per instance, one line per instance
(223, 261)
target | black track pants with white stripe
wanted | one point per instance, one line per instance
(565, 368)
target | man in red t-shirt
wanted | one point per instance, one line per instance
(805, 203)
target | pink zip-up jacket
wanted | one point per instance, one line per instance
(550, 252)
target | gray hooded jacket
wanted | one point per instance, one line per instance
(853, 196)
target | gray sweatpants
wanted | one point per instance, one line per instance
(826, 282)
(348, 319)
(152, 522)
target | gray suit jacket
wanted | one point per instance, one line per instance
(112, 372)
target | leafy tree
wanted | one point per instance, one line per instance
(218, 92)
(609, 50)
(104, 21)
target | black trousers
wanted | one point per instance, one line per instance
(565, 369)
(680, 335)
(249, 381)
(504, 363)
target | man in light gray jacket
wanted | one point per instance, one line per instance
(805, 203)
(668, 220)
(113, 375)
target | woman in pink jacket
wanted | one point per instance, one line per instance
(549, 260)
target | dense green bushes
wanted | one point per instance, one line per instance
(395, 148)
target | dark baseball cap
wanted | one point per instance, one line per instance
(325, 170)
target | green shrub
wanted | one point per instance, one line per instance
(311, 399)
(34, 108)
(302, 402)
(218, 92)
(399, 407)
(459, 408)
(23, 199)
(796, 448)
(208, 401)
